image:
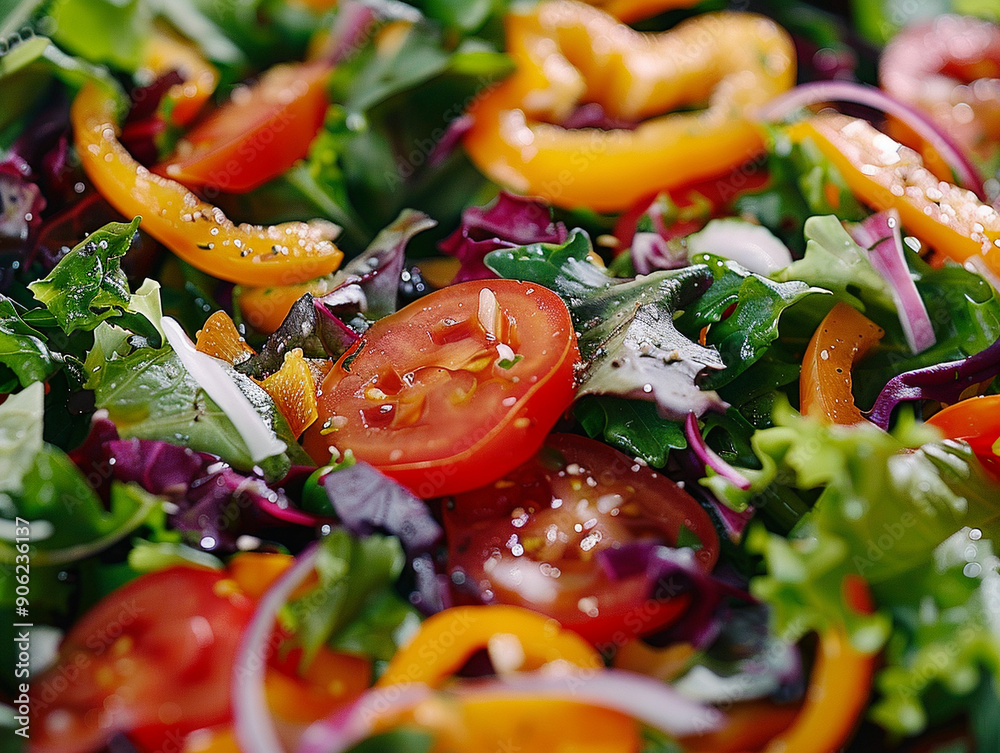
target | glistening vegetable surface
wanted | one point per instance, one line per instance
(537, 376)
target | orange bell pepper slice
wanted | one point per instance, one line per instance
(636, 10)
(194, 230)
(842, 339)
(475, 722)
(165, 53)
(567, 52)
(448, 639)
(883, 173)
(488, 724)
(292, 387)
(838, 686)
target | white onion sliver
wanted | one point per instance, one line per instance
(752, 246)
(254, 727)
(211, 377)
(650, 701)
(820, 92)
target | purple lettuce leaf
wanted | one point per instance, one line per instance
(672, 572)
(510, 222)
(377, 271)
(365, 500)
(308, 326)
(211, 504)
(944, 382)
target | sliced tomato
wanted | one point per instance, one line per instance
(530, 539)
(153, 659)
(976, 421)
(257, 135)
(454, 390)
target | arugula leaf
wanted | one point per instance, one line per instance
(88, 284)
(626, 333)
(745, 335)
(149, 395)
(353, 607)
(24, 356)
(633, 426)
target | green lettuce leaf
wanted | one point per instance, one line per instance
(103, 31)
(354, 606)
(633, 426)
(885, 503)
(40, 484)
(803, 183)
(20, 436)
(747, 332)
(626, 333)
(29, 67)
(149, 395)
(834, 262)
(25, 357)
(946, 640)
(88, 284)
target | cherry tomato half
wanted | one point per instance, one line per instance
(976, 421)
(530, 539)
(153, 659)
(454, 390)
(257, 135)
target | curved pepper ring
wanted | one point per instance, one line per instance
(568, 53)
(194, 230)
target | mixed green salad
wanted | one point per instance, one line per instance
(605, 377)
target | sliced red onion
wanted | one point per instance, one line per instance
(709, 457)
(644, 698)
(252, 720)
(651, 251)
(881, 236)
(944, 382)
(819, 92)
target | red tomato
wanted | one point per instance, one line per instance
(454, 390)
(976, 421)
(153, 659)
(530, 538)
(257, 135)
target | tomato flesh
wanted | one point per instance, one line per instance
(976, 421)
(530, 539)
(454, 390)
(257, 135)
(152, 659)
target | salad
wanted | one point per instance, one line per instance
(601, 377)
